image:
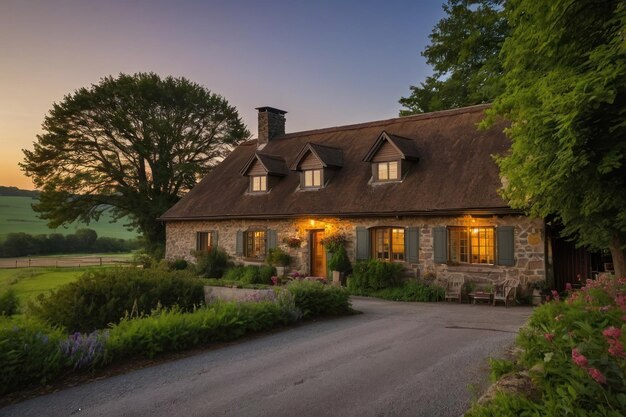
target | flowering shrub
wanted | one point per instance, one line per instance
(335, 242)
(84, 350)
(292, 242)
(574, 351)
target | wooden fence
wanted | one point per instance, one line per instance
(62, 262)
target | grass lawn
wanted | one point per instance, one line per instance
(30, 282)
(16, 215)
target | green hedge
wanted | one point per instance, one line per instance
(29, 353)
(99, 298)
(32, 352)
(316, 299)
(410, 291)
(374, 275)
(250, 274)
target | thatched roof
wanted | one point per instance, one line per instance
(455, 173)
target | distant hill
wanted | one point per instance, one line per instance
(16, 192)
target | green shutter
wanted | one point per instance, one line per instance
(362, 243)
(411, 245)
(505, 239)
(440, 244)
(214, 238)
(271, 239)
(239, 244)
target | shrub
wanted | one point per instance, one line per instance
(374, 275)
(315, 299)
(29, 353)
(574, 352)
(173, 330)
(410, 291)
(178, 265)
(212, 263)
(278, 257)
(85, 350)
(98, 298)
(250, 275)
(339, 260)
(9, 303)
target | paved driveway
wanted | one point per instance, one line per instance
(396, 359)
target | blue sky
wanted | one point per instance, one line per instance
(327, 63)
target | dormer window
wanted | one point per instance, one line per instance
(316, 164)
(258, 183)
(391, 157)
(387, 171)
(312, 178)
(264, 172)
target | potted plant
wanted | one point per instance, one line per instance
(339, 264)
(279, 259)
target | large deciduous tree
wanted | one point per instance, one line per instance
(463, 52)
(565, 95)
(131, 144)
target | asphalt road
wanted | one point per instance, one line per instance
(396, 359)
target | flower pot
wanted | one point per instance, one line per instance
(536, 297)
(337, 278)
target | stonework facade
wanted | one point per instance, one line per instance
(529, 242)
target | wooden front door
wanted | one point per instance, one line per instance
(318, 254)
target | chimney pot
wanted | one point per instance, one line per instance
(271, 124)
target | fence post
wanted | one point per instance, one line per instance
(101, 261)
(29, 262)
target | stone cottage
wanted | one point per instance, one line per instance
(421, 190)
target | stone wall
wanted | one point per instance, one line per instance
(529, 242)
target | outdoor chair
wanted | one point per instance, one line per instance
(505, 290)
(454, 289)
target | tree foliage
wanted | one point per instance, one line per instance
(565, 95)
(132, 144)
(463, 52)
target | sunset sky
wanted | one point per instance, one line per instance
(327, 63)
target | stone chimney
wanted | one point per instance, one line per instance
(271, 124)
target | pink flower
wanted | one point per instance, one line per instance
(548, 336)
(597, 375)
(616, 349)
(579, 359)
(555, 295)
(568, 286)
(604, 309)
(612, 332)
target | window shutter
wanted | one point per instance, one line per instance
(239, 244)
(411, 244)
(214, 238)
(198, 240)
(362, 243)
(440, 244)
(271, 239)
(505, 240)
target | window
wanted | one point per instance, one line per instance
(388, 171)
(204, 241)
(475, 245)
(312, 178)
(388, 243)
(258, 183)
(255, 244)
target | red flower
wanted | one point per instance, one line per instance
(579, 359)
(597, 375)
(548, 336)
(612, 332)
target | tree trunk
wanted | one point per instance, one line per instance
(618, 253)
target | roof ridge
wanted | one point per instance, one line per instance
(383, 122)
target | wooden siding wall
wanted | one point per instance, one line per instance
(256, 169)
(310, 162)
(386, 153)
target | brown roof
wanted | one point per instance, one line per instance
(328, 156)
(273, 164)
(455, 173)
(405, 146)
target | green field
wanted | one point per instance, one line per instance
(30, 282)
(16, 215)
